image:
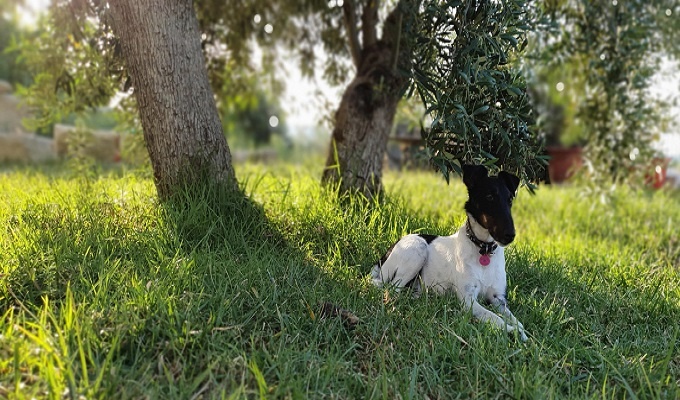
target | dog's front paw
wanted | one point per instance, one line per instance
(517, 326)
(522, 335)
(520, 330)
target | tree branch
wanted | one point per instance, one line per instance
(369, 20)
(393, 35)
(350, 18)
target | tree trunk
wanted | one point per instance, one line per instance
(365, 116)
(160, 41)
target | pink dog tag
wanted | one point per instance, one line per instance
(484, 259)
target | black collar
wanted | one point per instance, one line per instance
(484, 247)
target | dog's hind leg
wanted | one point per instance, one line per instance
(403, 262)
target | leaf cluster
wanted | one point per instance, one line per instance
(466, 74)
(74, 60)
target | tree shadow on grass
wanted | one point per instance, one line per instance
(55, 244)
(196, 291)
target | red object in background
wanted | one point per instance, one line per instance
(564, 161)
(657, 178)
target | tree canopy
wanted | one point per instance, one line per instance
(466, 63)
(460, 57)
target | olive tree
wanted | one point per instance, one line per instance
(160, 44)
(614, 48)
(91, 49)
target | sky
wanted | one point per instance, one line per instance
(306, 102)
(31, 10)
(666, 85)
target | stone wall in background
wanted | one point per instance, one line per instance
(101, 145)
(25, 148)
(17, 145)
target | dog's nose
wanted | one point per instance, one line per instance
(509, 237)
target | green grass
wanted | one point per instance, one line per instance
(106, 294)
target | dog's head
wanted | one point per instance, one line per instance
(490, 200)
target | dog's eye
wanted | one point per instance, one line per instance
(489, 197)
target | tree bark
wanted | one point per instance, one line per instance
(366, 112)
(160, 42)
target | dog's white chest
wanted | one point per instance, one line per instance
(454, 263)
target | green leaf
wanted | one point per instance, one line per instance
(513, 91)
(509, 38)
(481, 110)
(474, 128)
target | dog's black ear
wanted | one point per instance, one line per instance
(510, 180)
(473, 173)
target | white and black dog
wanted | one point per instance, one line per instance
(471, 261)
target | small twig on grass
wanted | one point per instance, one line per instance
(331, 310)
(456, 336)
(200, 391)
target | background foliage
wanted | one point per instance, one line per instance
(607, 54)
(12, 69)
